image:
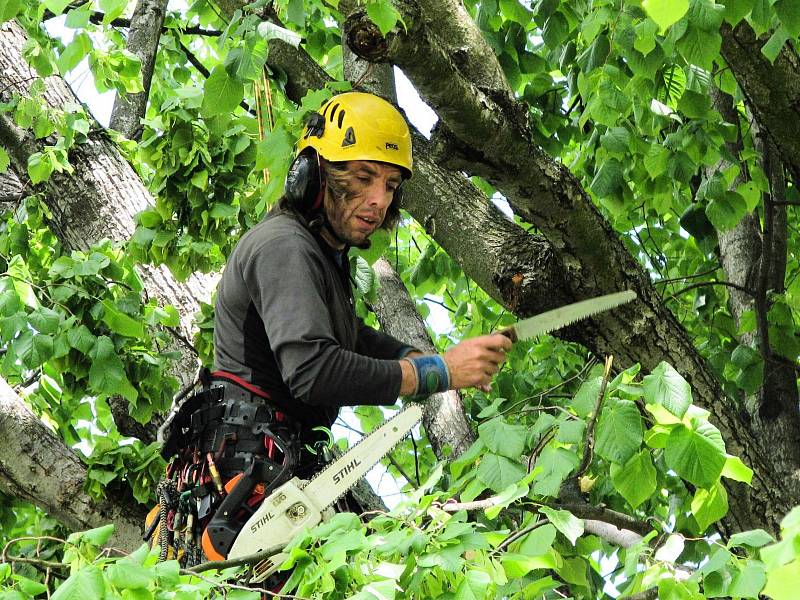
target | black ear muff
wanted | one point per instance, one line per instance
(303, 188)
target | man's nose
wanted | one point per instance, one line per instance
(378, 194)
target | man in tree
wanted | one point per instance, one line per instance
(289, 349)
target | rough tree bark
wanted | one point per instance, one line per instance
(772, 89)
(774, 412)
(36, 466)
(143, 35)
(484, 131)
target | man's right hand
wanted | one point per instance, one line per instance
(473, 362)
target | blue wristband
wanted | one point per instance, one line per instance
(432, 374)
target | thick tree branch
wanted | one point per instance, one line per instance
(143, 36)
(36, 466)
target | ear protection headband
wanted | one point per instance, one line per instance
(304, 188)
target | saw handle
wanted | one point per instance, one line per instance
(509, 332)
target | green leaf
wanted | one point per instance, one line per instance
(697, 455)
(81, 338)
(9, 10)
(555, 464)
(364, 276)
(748, 582)
(112, 9)
(755, 538)
(247, 63)
(96, 537)
(563, 520)
(55, 6)
(499, 472)
(645, 36)
(789, 14)
(126, 574)
(726, 212)
(736, 10)
(738, 471)
(503, 438)
(619, 431)
(665, 386)
(519, 565)
(121, 323)
(40, 167)
(222, 93)
(609, 178)
(616, 140)
(636, 479)
(74, 53)
(33, 349)
(84, 583)
(5, 161)
(586, 396)
(539, 541)
(555, 30)
(709, 505)
(473, 586)
(383, 14)
(295, 12)
(665, 12)
(107, 374)
(782, 582)
(775, 43)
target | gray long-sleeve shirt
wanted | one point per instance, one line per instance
(285, 322)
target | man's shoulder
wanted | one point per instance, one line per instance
(281, 229)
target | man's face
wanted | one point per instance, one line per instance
(371, 192)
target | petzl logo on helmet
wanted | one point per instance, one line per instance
(391, 146)
(349, 138)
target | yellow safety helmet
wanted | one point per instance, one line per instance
(359, 126)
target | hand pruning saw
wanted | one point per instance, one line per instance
(299, 504)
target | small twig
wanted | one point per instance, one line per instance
(688, 288)
(182, 338)
(651, 594)
(416, 458)
(542, 442)
(453, 506)
(584, 510)
(29, 538)
(35, 562)
(588, 450)
(685, 277)
(519, 534)
(400, 469)
(236, 562)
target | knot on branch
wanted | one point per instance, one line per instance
(364, 38)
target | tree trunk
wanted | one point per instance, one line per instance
(774, 410)
(143, 35)
(36, 466)
(771, 89)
